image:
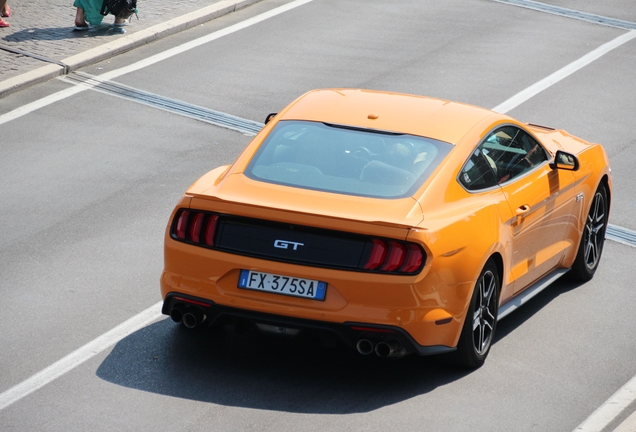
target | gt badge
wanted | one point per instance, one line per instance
(284, 244)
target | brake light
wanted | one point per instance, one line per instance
(414, 259)
(210, 229)
(378, 255)
(196, 227)
(393, 256)
(396, 257)
(182, 223)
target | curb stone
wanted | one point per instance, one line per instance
(125, 43)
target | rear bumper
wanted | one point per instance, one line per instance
(349, 332)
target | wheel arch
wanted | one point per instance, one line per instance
(605, 181)
(498, 260)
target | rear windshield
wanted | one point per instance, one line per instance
(346, 160)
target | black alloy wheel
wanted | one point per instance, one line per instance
(593, 238)
(481, 320)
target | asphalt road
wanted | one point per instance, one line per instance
(87, 184)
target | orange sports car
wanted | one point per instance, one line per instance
(400, 223)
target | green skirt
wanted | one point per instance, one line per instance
(91, 10)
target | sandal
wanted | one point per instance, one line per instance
(7, 12)
(3, 23)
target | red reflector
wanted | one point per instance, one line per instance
(210, 228)
(414, 259)
(378, 254)
(194, 302)
(397, 253)
(182, 223)
(372, 329)
(195, 227)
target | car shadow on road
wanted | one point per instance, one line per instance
(264, 372)
(523, 314)
(275, 373)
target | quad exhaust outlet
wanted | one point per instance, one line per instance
(190, 317)
(364, 346)
(391, 348)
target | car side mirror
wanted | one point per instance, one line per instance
(565, 161)
(269, 117)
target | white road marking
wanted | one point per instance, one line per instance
(153, 313)
(40, 103)
(63, 94)
(610, 409)
(80, 355)
(562, 73)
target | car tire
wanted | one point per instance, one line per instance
(481, 320)
(592, 239)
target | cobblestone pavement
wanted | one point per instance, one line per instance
(45, 28)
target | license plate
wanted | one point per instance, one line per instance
(286, 285)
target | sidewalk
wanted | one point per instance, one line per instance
(44, 30)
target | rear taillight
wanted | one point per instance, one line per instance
(380, 255)
(194, 226)
(395, 257)
(210, 229)
(182, 222)
(414, 259)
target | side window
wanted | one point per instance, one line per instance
(513, 151)
(536, 154)
(478, 172)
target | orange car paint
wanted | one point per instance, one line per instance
(458, 230)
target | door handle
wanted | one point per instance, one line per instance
(523, 210)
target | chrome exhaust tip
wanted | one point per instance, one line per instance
(176, 314)
(365, 346)
(192, 318)
(390, 349)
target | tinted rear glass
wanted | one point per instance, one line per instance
(345, 160)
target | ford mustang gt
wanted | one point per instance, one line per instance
(399, 223)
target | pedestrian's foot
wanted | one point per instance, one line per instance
(3, 23)
(80, 26)
(6, 12)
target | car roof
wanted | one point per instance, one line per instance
(396, 112)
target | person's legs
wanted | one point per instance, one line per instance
(80, 19)
(87, 12)
(3, 9)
